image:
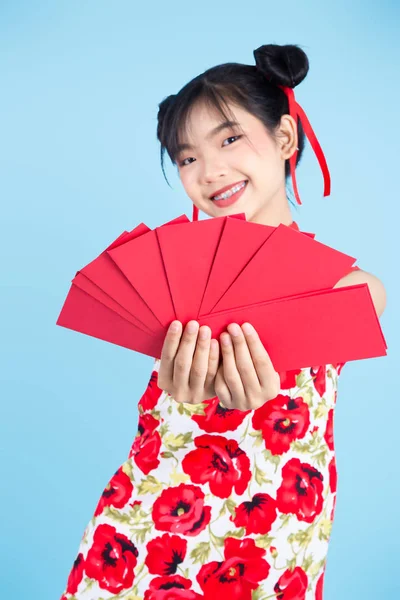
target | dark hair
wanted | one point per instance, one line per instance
(253, 88)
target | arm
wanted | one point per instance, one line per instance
(375, 286)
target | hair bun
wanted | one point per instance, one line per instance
(283, 65)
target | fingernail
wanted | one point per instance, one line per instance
(247, 328)
(192, 326)
(174, 327)
(234, 329)
(204, 333)
(226, 339)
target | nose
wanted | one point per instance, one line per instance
(212, 170)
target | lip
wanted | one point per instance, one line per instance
(224, 189)
(225, 202)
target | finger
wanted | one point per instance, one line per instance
(184, 356)
(198, 371)
(213, 363)
(244, 362)
(266, 373)
(230, 372)
(222, 390)
(168, 353)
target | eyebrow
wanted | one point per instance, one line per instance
(210, 134)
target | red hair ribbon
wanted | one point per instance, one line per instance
(296, 112)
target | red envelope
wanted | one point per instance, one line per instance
(241, 240)
(313, 329)
(273, 272)
(277, 278)
(83, 313)
(231, 257)
(133, 259)
(102, 272)
(183, 248)
(83, 283)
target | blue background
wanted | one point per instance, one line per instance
(79, 163)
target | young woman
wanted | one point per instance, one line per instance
(230, 484)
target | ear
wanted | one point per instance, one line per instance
(288, 137)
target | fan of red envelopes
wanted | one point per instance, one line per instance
(220, 271)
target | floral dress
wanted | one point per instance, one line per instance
(218, 503)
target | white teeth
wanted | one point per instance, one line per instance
(230, 192)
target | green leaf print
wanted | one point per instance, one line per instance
(301, 447)
(264, 541)
(163, 429)
(200, 553)
(195, 409)
(325, 528)
(307, 562)
(290, 564)
(168, 455)
(176, 442)
(274, 459)
(285, 520)
(258, 441)
(302, 378)
(141, 534)
(321, 410)
(321, 457)
(115, 515)
(307, 395)
(260, 476)
(303, 537)
(258, 593)
(128, 470)
(150, 485)
(315, 568)
(231, 506)
(236, 533)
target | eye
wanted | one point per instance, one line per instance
(182, 163)
(232, 137)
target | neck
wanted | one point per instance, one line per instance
(276, 211)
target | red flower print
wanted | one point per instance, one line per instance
(282, 420)
(328, 435)
(171, 588)
(240, 573)
(319, 590)
(300, 492)
(220, 463)
(111, 560)
(319, 376)
(333, 475)
(292, 585)
(76, 575)
(181, 510)
(218, 419)
(147, 444)
(333, 508)
(256, 515)
(165, 553)
(152, 394)
(338, 367)
(288, 379)
(117, 493)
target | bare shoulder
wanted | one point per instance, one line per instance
(376, 287)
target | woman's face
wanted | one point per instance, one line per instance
(217, 156)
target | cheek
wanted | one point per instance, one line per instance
(187, 180)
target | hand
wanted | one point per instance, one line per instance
(246, 378)
(189, 363)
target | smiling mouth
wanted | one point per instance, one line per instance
(233, 190)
